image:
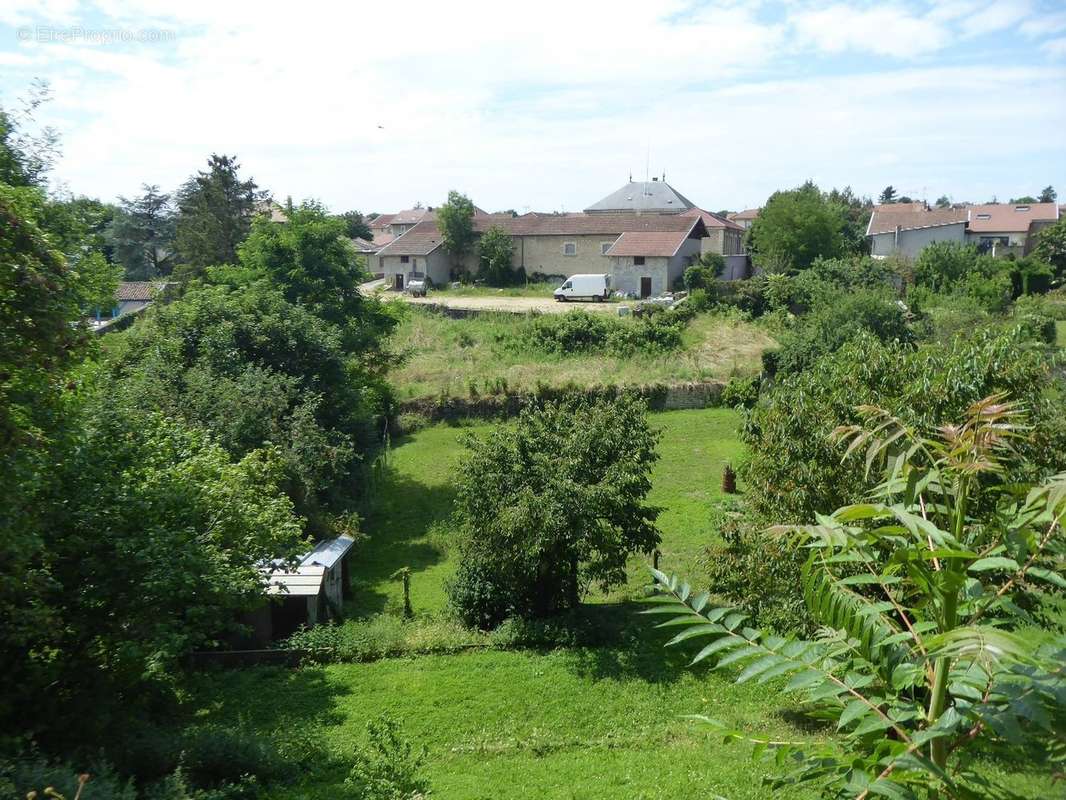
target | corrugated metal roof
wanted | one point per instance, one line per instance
(306, 581)
(328, 552)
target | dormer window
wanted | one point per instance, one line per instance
(984, 216)
(1021, 208)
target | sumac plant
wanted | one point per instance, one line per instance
(917, 592)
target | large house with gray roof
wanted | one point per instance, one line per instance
(644, 235)
(562, 245)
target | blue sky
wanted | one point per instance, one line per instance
(549, 106)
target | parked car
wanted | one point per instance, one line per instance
(417, 284)
(589, 287)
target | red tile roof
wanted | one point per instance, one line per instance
(1010, 217)
(712, 220)
(424, 237)
(747, 213)
(381, 220)
(139, 290)
(648, 243)
(411, 215)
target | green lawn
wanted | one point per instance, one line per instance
(444, 356)
(596, 723)
(526, 290)
(1060, 333)
(410, 528)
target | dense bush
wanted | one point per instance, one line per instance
(959, 269)
(758, 574)
(252, 368)
(580, 332)
(838, 319)
(741, 392)
(550, 505)
(380, 636)
(793, 470)
(699, 276)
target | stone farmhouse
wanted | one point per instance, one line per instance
(644, 235)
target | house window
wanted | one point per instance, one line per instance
(638, 261)
(984, 216)
(604, 247)
(569, 248)
(1021, 208)
(404, 259)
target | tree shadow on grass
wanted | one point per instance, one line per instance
(627, 646)
(405, 512)
(266, 698)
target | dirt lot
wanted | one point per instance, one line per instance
(514, 305)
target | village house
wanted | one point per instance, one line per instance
(558, 245)
(999, 229)
(744, 218)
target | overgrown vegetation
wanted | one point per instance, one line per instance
(917, 590)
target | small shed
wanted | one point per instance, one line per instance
(312, 592)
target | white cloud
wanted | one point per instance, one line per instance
(885, 29)
(996, 17)
(540, 106)
(1056, 48)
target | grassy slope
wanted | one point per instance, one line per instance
(1060, 330)
(585, 723)
(443, 355)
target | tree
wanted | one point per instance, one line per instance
(943, 201)
(796, 227)
(1048, 195)
(496, 250)
(917, 590)
(1025, 199)
(455, 220)
(888, 195)
(27, 153)
(142, 235)
(1051, 248)
(941, 265)
(215, 211)
(356, 226)
(310, 260)
(550, 505)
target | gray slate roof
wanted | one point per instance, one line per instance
(656, 196)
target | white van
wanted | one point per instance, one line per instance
(592, 287)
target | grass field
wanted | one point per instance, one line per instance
(541, 290)
(410, 526)
(596, 723)
(443, 356)
(1060, 333)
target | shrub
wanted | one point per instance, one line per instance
(699, 276)
(388, 766)
(792, 470)
(550, 505)
(379, 636)
(757, 574)
(742, 392)
(215, 755)
(826, 328)
(581, 332)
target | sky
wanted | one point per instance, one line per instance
(551, 105)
